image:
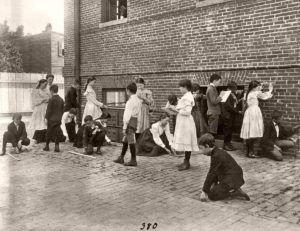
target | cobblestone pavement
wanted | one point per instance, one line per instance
(50, 191)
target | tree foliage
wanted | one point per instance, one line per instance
(10, 57)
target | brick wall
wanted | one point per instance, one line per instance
(164, 41)
(57, 61)
(40, 53)
(35, 52)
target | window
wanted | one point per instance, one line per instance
(202, 3)
(61, 49)
(114, 10)
(115, 97)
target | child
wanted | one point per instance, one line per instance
(197, 111)
(54, 113)
(130, 116)
(213, 104)
(229, 113)
(68, 125)
(157, 140)
(277, 137)
(185, 136)
(16, 134)
(253, 125)
(170, 108)
(103, 122)
(225, 176)
(145, 96)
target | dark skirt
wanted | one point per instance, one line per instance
(201, 126)
(147, 147)
(40, 136)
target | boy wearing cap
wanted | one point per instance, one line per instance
(277, 137)
(16, 134)
(225, 176)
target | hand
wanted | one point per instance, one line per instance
(203, 197)
(270, 87)
(105, 106)
(167, 150)
(124, 132)
(240, 112)
(20, 144)
(46, 121)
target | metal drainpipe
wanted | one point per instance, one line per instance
(77, 52)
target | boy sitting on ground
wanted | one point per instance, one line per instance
(16, 135)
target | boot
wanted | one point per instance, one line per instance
(120, 159)
(240, 193)
(226, 147)
(132, 162)
(46, 148)
(186, 163)
(231, 146)
(98, 151)
(56, 149)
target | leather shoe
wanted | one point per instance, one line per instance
(184, 166)
(120, 160)
(231, 146)
(46, 148)
(240, 193)
(56, 149)
(131, 163)
(227, 148)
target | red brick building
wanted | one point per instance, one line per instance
(42, 53)
(164, 41)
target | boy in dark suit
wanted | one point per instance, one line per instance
(277, 137)
(213, 104)
(54, 113)
(16, 134)
(225, 176)
(94, 133)
(229, 111)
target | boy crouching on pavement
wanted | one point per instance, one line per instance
(130, 116)
(225, 176)
(16, 135)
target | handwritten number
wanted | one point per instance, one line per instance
(154, 226)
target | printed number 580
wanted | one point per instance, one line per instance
(148, 226)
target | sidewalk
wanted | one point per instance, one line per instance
(50, 191)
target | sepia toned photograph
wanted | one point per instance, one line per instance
(162, 115)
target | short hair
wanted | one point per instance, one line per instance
(17, 116)
(73, 111)
(164, 115)
(214, 77)
(173, 100)
(196, 87)
(276, 114)
(232, 85)
(54, 88)
(207, 139)
(186, 83)
(49, 76)
(77, 82)
(105, 115)
(132, 88)
(140, 80)
(88, 118)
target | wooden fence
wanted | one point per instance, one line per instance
(16, 88)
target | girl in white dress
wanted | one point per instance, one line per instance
(40, 98)
(93, 106)
(185, 136)
(253, 126)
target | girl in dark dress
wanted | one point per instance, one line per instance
(156, 141)
(198, 111)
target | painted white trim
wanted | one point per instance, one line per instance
(210, 2)
(112, 23)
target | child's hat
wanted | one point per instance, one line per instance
(105, 115)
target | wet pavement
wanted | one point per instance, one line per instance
(62, 191)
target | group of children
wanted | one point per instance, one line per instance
(193, 127)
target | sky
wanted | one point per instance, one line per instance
(33, 14)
